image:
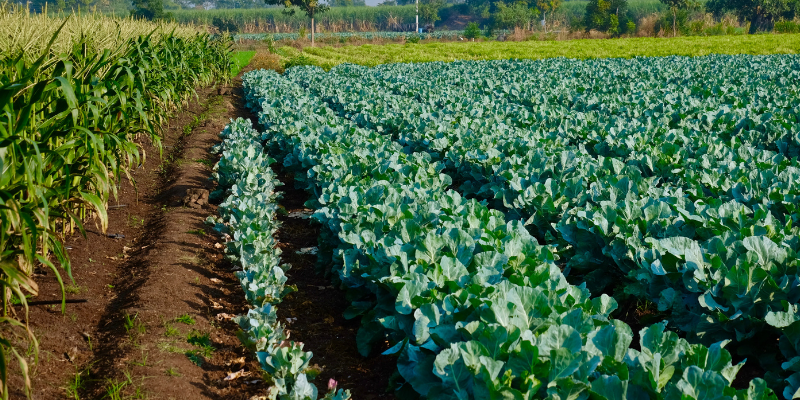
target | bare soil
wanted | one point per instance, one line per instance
(316, 309)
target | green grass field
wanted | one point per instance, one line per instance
(240, 60)
(371, 55)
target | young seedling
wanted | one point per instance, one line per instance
(185, 319)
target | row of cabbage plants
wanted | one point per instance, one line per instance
(678, 180)
(472, 305)
(247, 216)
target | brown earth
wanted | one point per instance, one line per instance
(318, 309)
(162, 282)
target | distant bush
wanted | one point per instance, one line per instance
(413, 39)
(298, 61)
(664, 23)
(266, 61)
(270, 42)
(224, 24)
(472, 31)
(786, 27)
(631, 27)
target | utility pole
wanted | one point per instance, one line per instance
(417, 23)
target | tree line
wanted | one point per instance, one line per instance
(610, 16)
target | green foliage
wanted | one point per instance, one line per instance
(249, 210)
(185, 319)
(475, 306)
(606, 16)
(72, 120)
(224, 25)
(413, 39)
(547, 7)
(472, 31)
(515, 15)
(760, 13)
(631, 27)
(429, 10)
(298, 61)
(380, 17)
(240, 60)
(674, 7)
(784, 26)
(328, 57)
(309, 7)
(149, 10)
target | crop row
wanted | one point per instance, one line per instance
(71, 126)
(450, 35)
(247, 215)
(473, 305)
(681, 178)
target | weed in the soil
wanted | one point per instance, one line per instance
(164, 208)
(200, 232)
(170, 331)
(73, 317)
(207, 163)
(72, 289)
(31, 350)
(185, 319)
(115, 389)
(77, 383)
(200, 339)
(195, 358)
(196, 279)
(202, 342)
(90, 260)
(172, 372)
(134, 326)
(168, 346)
(110, 286)
(142, 362)
(135, 221)
(15, 299)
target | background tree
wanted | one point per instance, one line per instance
(472, 31)
(481, 8)
(429, 10)
(309, 7)
(760, 13)
(516, 15)
(609, 16)
(674, 6)
(547, 6)
(148, 9)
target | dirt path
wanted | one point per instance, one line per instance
(317, 309)
(149, 321)
(153, 293)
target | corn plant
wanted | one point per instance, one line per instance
(71, 124)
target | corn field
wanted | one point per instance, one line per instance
(77, 96)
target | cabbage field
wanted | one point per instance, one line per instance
(488, 219)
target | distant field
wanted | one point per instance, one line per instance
(371, 55)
